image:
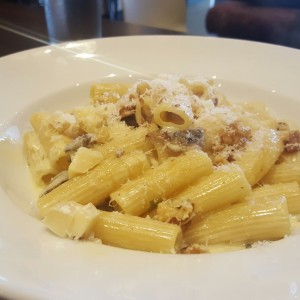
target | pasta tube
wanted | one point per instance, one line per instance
(245, 222)
(144, 110)
(94, 119)
(291, 158)
(107, 92)
(170, 116)
(284, 172)
(41, 168)
(136, 197)
(224, 186)
(53, 142)
(290, 191)
(260, 155)
(137, 233)
(96, 185)
(134, 139)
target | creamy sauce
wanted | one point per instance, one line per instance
(15, 178)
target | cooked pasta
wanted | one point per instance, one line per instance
(283, 172)
(170, 116)
(289, 191)
(166, 165)
(220, 188)
(137, 196)
(52, 139)
(108, 92)
(242, 223)
(96, 185)
(40, 166)
(132, 232)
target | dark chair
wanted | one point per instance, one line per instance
(276, 22)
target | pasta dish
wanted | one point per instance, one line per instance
(166, 165)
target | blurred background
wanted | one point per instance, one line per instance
(270, 21)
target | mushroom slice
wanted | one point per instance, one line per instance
(85, 140)
(57, 180)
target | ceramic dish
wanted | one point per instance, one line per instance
(35, 264)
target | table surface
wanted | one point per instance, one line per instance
(24, 27)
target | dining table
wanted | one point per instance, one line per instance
(24, 26)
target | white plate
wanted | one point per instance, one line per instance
(35, 264)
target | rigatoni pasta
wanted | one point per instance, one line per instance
(170, 116)
(132, 232)
(137, 197)
(165, 165)
(260, 155)
(108, 92)
(283, 172)
(245, 222)
(96, 185)
(52, 139)
(289, 191)
(222, 187)
(40, 166)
